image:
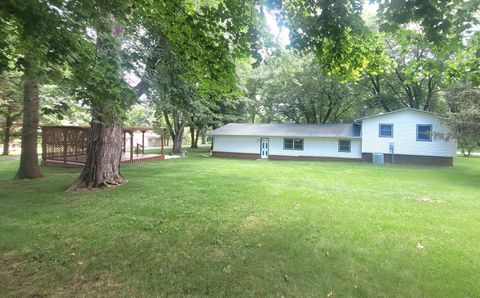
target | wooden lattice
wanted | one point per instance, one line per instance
(65, 143)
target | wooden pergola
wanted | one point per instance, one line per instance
(67, 145)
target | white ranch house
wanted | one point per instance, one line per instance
(402, 136)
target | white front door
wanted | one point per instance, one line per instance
(264, 148)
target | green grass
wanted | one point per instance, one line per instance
(203, 226)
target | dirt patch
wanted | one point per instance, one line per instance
(101, 285)
(14, 265)
(252, 222)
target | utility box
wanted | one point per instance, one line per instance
(377, 158)
(391, 147)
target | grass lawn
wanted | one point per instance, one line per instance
(203, 226)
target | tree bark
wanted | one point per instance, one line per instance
(29, 168)
(176, 130)
(193, 137)
(7, 134)
(204, 136)
(196, 138)
(104, 153)
(177, 141)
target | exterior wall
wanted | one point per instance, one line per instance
(236, 144)
(313, 147)
(321, 147)
(405, 135)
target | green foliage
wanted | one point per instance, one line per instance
(189, 71)
(43, 30)
(294, 88)
(413, 76)
(332, 30)
(141, 114)
(464, 118)
(10, 103)
(439, 20)
(466, 62)
(59, 107)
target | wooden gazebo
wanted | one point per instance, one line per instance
(67, 146)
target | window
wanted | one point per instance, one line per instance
(385, 131)
(293, 144)
(424, 132)
(344, 145)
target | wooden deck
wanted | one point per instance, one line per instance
(140, 158)
(79, 161)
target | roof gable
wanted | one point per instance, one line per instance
(393, 112)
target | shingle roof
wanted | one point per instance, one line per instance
(288, 130)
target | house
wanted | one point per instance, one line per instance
(402, 136)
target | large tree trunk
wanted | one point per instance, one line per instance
(31, 106)
(104, 153)
(194, 138)
(176, 129)
(177, 142)
(7, 134)
(204, 137)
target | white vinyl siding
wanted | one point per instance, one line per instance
(320, 147)
(237, 144)
(405, 135)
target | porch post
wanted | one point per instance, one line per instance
(143, 141)
(131, 144)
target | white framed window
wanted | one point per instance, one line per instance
(424, 132)
(292, 144)
(344, 145)
(385, 130)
